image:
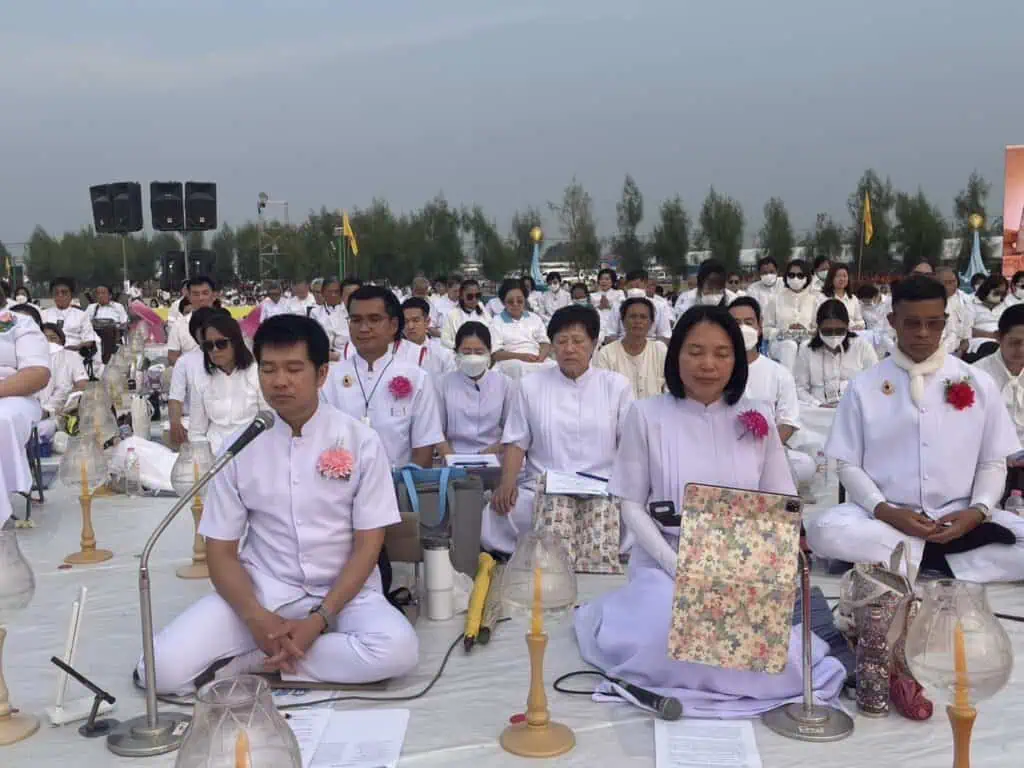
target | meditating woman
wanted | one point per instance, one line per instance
(563, 419)
(791, 317)
(67, 376)
(229, 397)
(475, 400)
(827, 363)
(468, 308)
(837, 286)
(692, 434)
(638, 358)
(521, 343)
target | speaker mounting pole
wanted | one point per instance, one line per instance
(184, 247)
(124, 260)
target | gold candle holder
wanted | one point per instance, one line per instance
(961, 719)
(14, 726)
(198, 568)
(538, 735)
(87, 554)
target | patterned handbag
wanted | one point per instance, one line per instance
(588, 527)
(736, 578)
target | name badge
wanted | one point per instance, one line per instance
(398, 413)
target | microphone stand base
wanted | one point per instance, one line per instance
(817, 723)
(134, 738)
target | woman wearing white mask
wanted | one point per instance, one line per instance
(1016, 290)
(791, 315)
(710, 290)
(989, 303)
(822, 266)
(764, 289)
(837, 286)
(475, 400)
(827, 363)
(521, 343)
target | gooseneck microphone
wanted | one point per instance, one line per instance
(264, 420)
(666, 707)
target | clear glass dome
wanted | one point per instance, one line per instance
(955, 621)
(83, 464)
(235, 720)
(96, 415)
(17, 582)
(539, 555)
(194, 460)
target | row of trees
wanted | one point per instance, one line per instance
(439, 238)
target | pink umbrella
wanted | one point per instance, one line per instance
(251, 322)
(151, 320)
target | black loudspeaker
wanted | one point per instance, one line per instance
(127, 197)
(167, 206)
(102, 208)
(200, 262)
(200, 206)
(172, 272)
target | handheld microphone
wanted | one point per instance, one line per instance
(666, 707)
(264, 420)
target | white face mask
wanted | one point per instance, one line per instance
(711, 299)
(769, 280)
(750, 337)
(831, 341)
(474, 365)
(21, 299)
(55, 348)
(636, 293)
(797, 283)
(822, 274)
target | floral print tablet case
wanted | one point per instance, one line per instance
(736, 578)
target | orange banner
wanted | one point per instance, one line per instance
(1013, 212)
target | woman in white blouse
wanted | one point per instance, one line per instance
(468, 308)
(791, 315)
(837, 286)
(563, 419)
(521, 344)
(67, 375)
(229, 397)
(827, 363)
(638, 358)
(989, 303)
(475, 399)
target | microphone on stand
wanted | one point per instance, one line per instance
(666, 707)
(154, 733)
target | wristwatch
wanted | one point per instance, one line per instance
(324, 614)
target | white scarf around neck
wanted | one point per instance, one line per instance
(917, 371)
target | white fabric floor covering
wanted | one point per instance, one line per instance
(456, 724)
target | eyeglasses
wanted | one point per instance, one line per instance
(220, 344)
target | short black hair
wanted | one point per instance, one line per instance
(636, 274)
(867, 292)
(991, 283)
(552, 276)
(833, 309)
(415, 302)
(766, 260)
(917, 262)
(707, 269)
(511, 284)
(819, 260)
(200, 317)
(580, 286)
(574, 314)
(633, 302)
(103, 284)
(610, 272)
(391, 305)
(222, 322)
(1018, 276)
(288, 330)
(918, 288)
(28, 309)
(1011, 318)
(694, 316)
(67, 282)
(748, 301)
(57, 330)
(472, 328)
(330, 281)
(351, 281)
(198, 280)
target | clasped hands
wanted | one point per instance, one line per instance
(285, 641)
(947, 528)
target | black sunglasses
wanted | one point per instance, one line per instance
(220, 344)
(795, 274)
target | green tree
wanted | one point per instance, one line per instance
(576, 220)
(876, 256)
(920, 229)
(970, 200)
(495, 257)
(224, 245)
(776, 236)
(6, 262)
(721, 229)
(519, 239)
(826, 239)
(435, 238)
(629, 213)
(671, 240)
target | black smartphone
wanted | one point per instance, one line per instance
(664, 512)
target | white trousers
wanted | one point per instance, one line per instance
(849, 532)
(17, 415)
(783, 351)
(498, 533)
(370, 641)
(803, 466)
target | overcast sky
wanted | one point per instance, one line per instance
(501, 102)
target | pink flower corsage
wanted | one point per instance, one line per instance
(335, 464)
(754, 423)
(400, 387)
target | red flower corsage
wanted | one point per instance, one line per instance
(335, 464)
(960, 394)
(754, 423)
(400, 387)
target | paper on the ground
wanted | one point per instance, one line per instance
(569, 484)
(472, 460)
(705, 744)
(367, 738)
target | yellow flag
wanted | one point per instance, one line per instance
(869, 228)
(346, 228)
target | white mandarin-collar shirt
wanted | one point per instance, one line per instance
(299, 526)
(770, 384)
(822, 376)
(404, 423)
(433, 357)
(178, 337)
(334, 321)
(552, 301)
(66, 370)
(473, 413)
(22, 344)
(74, 322)
(402, 349)
(302, 306)
(224, 404)
(187, 375)
(110, 311)
(921, 456)
(522, 336)
(454, 320)
(567, 425)
(269, 309)
(1011, 387)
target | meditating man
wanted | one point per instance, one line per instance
(312, 496)
(922, 440)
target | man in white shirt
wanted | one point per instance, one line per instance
(773, 385)
(73, 321)
(922, 441)
(765, 288)
(202, 292)
(106, 310)
(275, 304)
(302, 301)
(636, 288)
(433, 357)
(383, 390)
(421, 290)
(332, 316)
(312, 496)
